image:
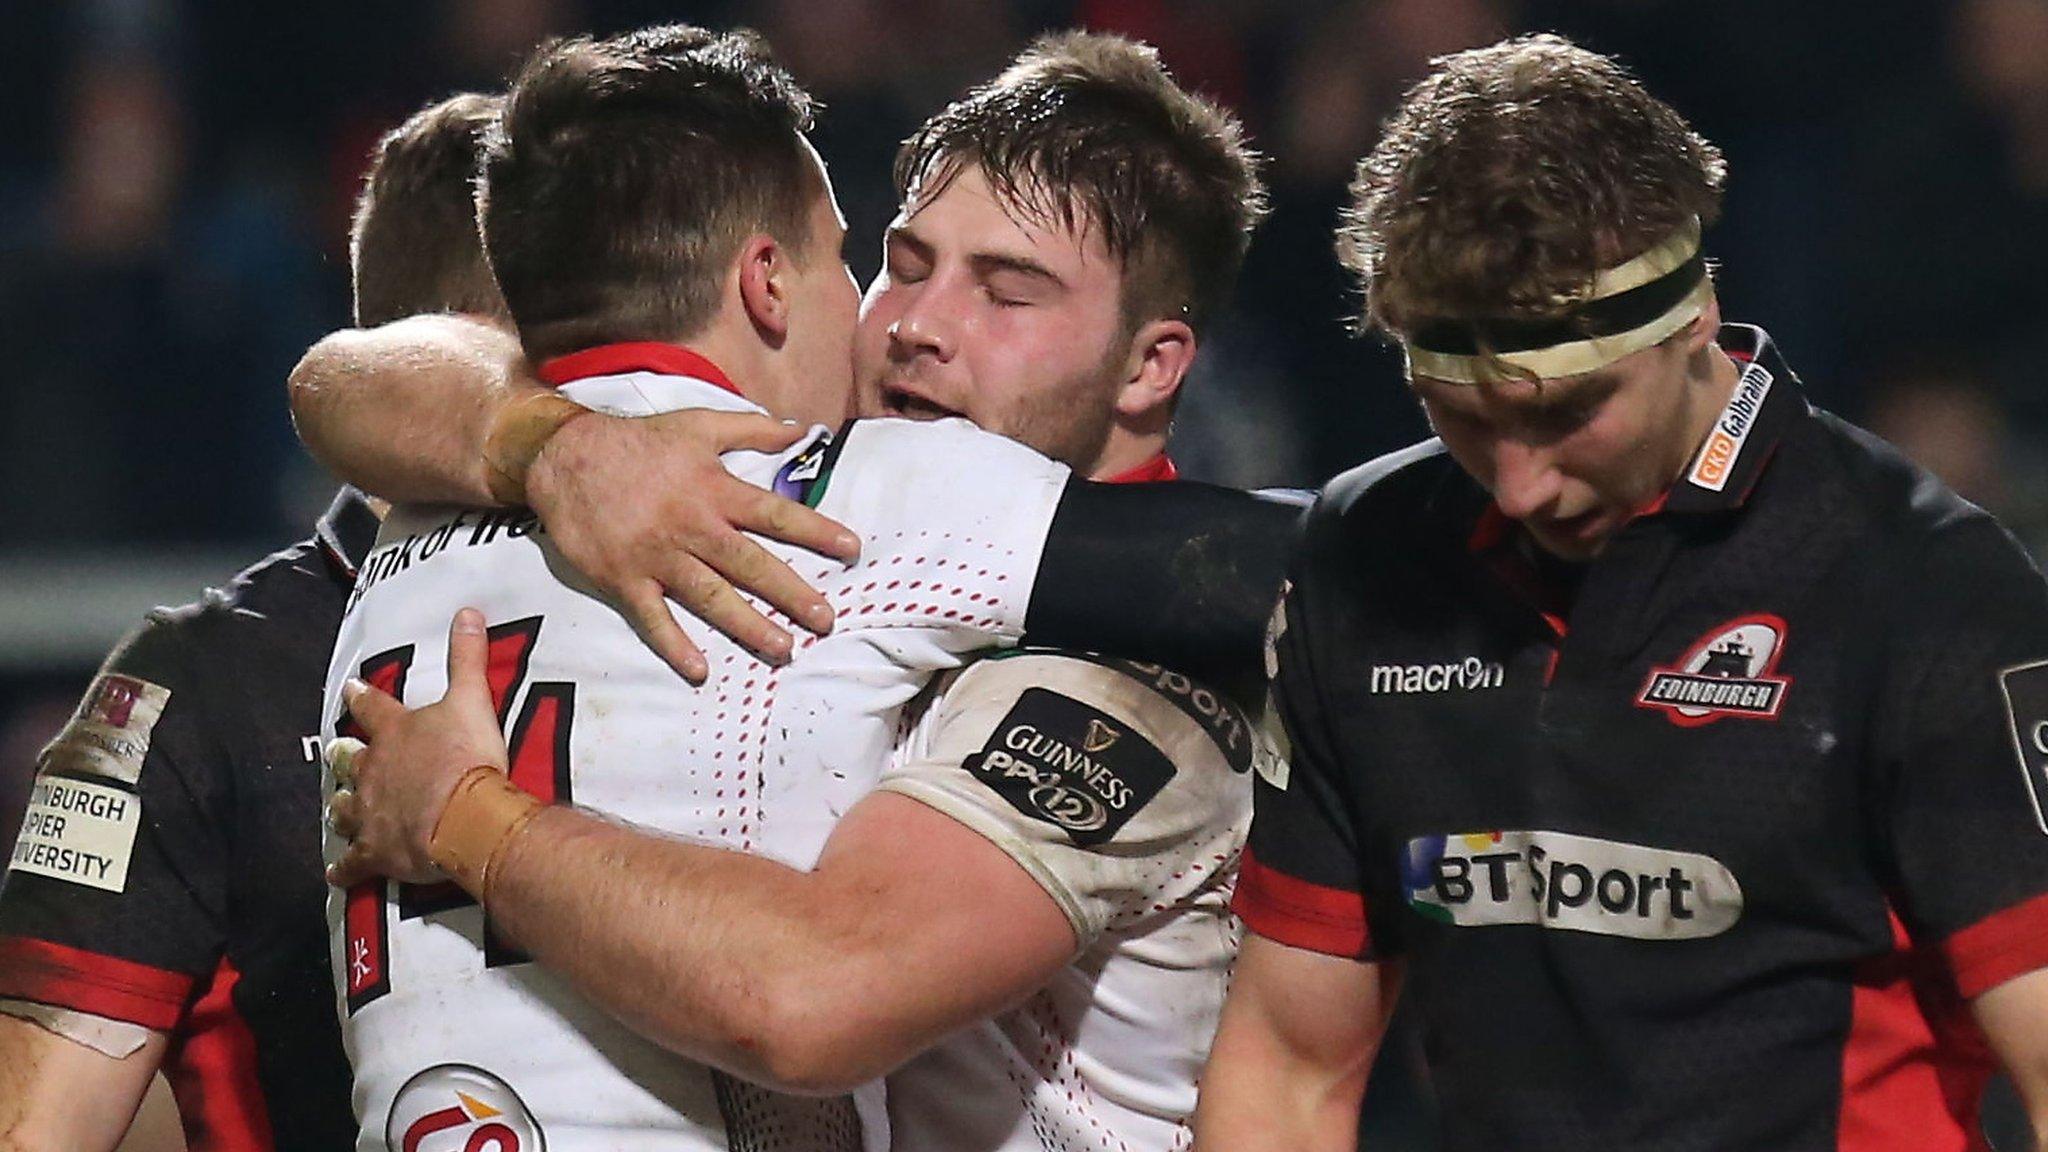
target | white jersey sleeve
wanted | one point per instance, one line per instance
(1123, 789)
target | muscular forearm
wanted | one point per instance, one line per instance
(730, 959)
(403, 411)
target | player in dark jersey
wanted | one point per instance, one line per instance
(164, 904)
(1679, 746)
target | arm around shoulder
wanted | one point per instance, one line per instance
(404, 410)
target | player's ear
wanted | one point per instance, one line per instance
(1704, 327)
(765, 281)
(1160, 355)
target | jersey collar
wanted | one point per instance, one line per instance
(1159, 467)
(634, 356)
(1767, 403)
(346, 531)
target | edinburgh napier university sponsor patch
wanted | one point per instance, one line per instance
(2026, 707)
(1729, 672)
(83, 811)
(1058, 760)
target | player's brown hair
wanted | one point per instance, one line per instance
(1090, 131)
(413, 244)
(625, 173)
(1509, 177)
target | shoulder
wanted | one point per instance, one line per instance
(291, 598)
(1095, 704)
(1385, 499)
(1940, 544)
(242, 652)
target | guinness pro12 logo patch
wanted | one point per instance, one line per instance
(1730, 672)
(1061, 761)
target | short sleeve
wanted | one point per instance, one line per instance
(1965, 754)
(1124, 790)
(114, 903)
(1302, 882)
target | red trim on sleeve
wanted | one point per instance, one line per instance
(1913, 1063)
(1999, 947)
(89, 982)
(1294, 911)
(634, 356)
(212, 1070)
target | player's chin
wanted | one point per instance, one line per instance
(1576, 539)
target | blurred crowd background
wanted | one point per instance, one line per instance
(176, 178)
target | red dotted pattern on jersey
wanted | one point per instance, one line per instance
(899, 581)
(1064, 1119)
(1172, 890)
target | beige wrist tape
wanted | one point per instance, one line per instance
(516, 437)
(484, 814)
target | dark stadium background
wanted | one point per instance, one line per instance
(176, 175)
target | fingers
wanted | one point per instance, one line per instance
(372, 707)
(342, 816)
(341, 753)
(705, 594)
(777, 517)
(780, 518)
(741, 431)
(647, 610)
(469, 655)
(745, 564)
(352, 869)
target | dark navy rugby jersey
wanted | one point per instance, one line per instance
(168, 873)
(1705, 849)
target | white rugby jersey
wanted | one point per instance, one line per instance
(455, 1039)
(1125, 791)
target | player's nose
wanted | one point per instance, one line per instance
(1526, 481)
(924, 328)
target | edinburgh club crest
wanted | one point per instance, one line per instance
(1732, 671)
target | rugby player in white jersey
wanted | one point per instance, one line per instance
(1024, 925)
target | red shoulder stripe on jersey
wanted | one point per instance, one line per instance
(1999, 947)
(1294, 911)
(634, 356)
(1914, 1064)
(212, 1070)
(89, 982)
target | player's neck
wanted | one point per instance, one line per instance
(741, 358)
(1713, 387)
(1125, 450)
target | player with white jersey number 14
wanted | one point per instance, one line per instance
(1096, 805)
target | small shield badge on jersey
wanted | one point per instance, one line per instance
(1731, 671)
(2026, 707)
